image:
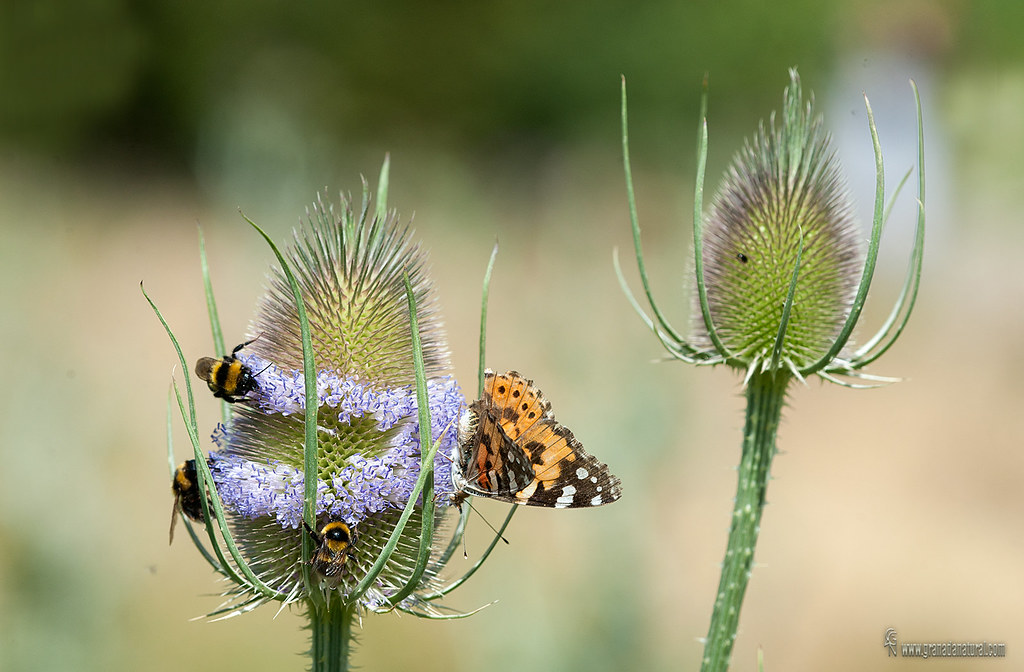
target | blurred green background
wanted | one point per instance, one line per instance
(124, 124)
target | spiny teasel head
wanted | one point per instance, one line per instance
(781, 209)
(351, 279)
(780, 278)
(351, 271)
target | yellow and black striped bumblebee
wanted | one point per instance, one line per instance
(227, 377)
(333, 547)
(185, 486)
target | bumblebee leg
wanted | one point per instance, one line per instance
(312, 534)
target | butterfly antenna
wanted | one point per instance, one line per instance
(493, 529)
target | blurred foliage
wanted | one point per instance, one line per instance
(144, 77)
(261, 104)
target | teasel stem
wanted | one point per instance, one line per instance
(333, 628)
(765, 395)
(330, 620)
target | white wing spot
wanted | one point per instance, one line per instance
(568, 494)
(596, 501)
(593, 479)
(582, 473)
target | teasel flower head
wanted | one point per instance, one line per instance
(781, 276)
(782, 203)
(353, 386)
(352, 275)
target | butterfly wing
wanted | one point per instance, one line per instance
(513, 450)
(521, 404)
(565, 475)
(491, 462)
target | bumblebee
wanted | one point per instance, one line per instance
(333, 546)
(227, 377)
(185, 486)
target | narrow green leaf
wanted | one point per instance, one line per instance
(481, 365)
(890, 322)
(787, 307)
(191, 427)
(206, 484)
(472, 570)
(456, 540)
(211, 309)
(673, 349)
(872, 255)
(205, 479)
(382, 189)
(908, 295)
(423, 407)
(181, 357)
(310, 463)
(392, 541)
(447, 617)
(698, 226)
(173, 465)
(634, 220)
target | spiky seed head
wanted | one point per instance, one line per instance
(350, 270)
(350, 274)
(782, 188)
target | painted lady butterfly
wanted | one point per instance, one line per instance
(511, 449)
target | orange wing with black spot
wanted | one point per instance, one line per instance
(512, 438)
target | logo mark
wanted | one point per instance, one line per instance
(890, 641)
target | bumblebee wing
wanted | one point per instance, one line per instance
(204, 367)
(174, 521)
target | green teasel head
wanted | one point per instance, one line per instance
(350, 271)
(782, 201)
(781, 275)
(349, 328)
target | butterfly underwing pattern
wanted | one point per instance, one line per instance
(510, 448)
